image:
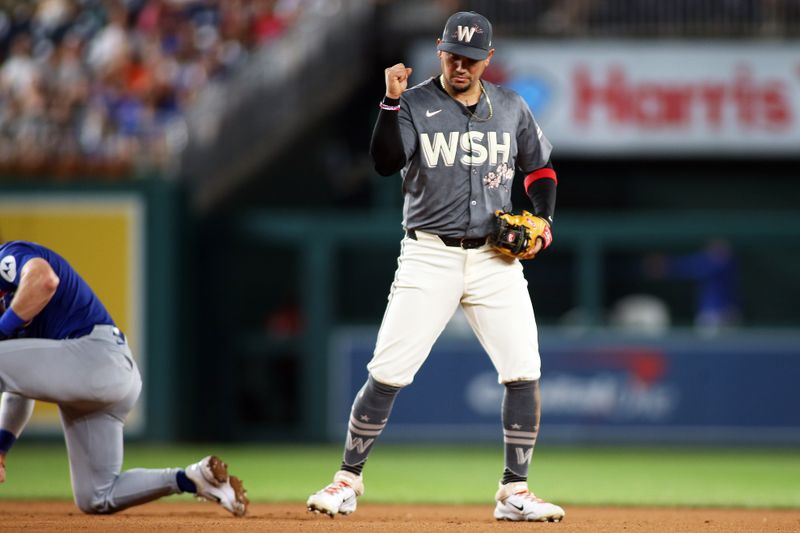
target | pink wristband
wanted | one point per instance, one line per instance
(389, 107)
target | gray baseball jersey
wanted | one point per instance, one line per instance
(460, 166)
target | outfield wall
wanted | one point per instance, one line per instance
(288, 359)
(737, 388)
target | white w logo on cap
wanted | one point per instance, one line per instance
(465, 33)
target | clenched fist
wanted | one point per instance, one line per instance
(397, 79)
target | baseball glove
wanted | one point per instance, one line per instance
(515, 235)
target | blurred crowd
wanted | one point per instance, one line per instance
(97, 88)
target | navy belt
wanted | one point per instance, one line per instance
(477, 242)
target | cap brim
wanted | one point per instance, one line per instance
(467, 51)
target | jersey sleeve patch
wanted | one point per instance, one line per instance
(8, 268)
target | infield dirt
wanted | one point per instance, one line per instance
(191, 516)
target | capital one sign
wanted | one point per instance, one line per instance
(673, 98)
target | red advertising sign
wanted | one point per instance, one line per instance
(661, 98)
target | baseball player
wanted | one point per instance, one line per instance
(59, 344)
(458, 141)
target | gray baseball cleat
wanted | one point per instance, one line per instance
(339, 497)
(516, 503)
(210, 475)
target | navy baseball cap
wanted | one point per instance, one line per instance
(467, 34)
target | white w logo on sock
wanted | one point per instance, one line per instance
(358, 443)
(523, 455)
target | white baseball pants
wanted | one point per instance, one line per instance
(430, 282)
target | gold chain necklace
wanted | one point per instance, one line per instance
(488, 102)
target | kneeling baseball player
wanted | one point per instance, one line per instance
(59, 344)
(458, 141)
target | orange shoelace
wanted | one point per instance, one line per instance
(334, 488)
(528, 495)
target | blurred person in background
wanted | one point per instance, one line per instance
(715, 271)
(110, 46)
(20, 75)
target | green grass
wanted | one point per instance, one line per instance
(449, 474)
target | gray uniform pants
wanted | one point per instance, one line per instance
(95, 383)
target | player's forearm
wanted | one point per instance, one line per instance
(37, 285)
(540, 185)
(386, 147)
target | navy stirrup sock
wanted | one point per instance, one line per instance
(184, 483)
